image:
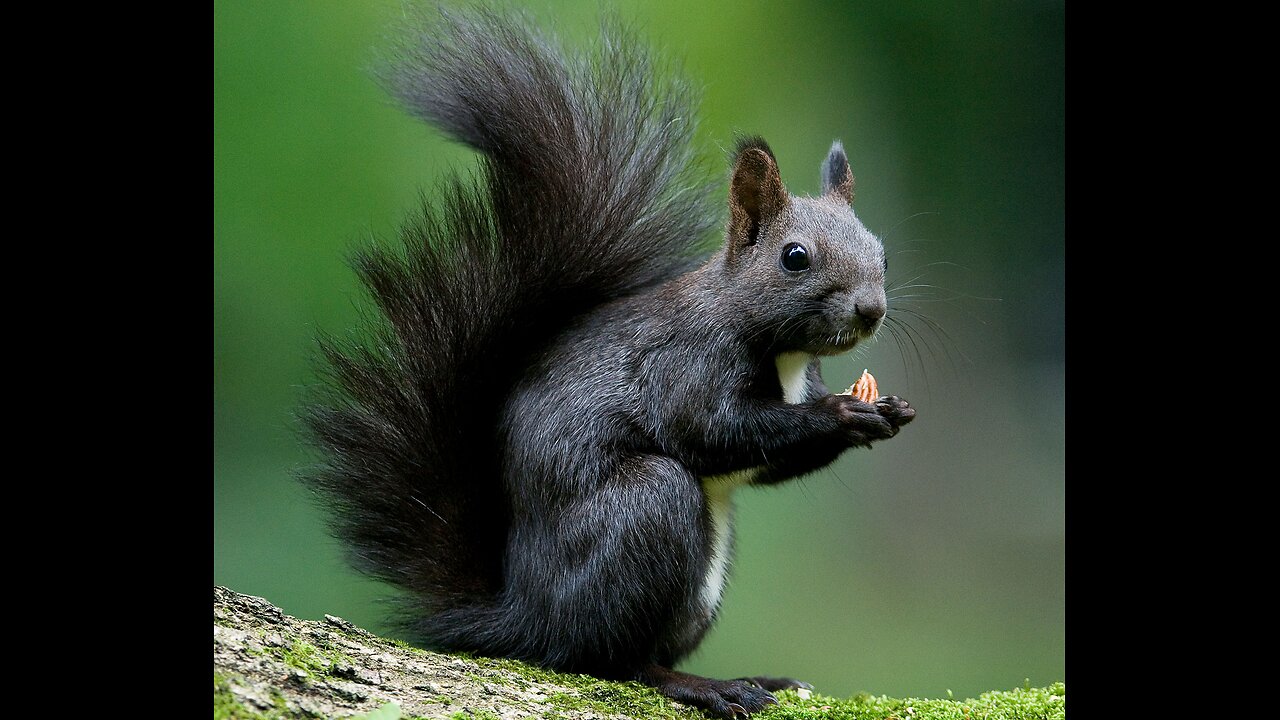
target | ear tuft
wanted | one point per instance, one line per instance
(752, 142)
(837, 178)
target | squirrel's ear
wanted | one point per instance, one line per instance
(756, 193)
(837, 178)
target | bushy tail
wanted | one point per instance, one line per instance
(587, 190)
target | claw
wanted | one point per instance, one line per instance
(738, 709)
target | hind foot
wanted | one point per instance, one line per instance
(726, 699)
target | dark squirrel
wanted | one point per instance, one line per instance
(539, 438)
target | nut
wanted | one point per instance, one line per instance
(865, 389)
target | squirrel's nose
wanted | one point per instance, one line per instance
(868, 313)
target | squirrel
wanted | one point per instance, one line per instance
(540, 438)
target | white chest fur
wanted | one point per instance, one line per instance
(718, 490)
(793, 374)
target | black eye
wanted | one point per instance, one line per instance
(886, 263)
(795, 258)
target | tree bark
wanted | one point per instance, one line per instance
(269, 665)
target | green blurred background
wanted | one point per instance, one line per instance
(935, 561)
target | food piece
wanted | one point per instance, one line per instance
(865, 389)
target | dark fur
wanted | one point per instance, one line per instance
(556, 513)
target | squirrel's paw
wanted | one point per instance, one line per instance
(726, 699)
(895, 410)
(861, 421)
(773, 684)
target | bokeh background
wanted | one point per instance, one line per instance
(933, 562)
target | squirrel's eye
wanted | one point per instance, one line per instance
(795, 258)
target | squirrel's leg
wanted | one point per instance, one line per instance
(603, 576)
(608, 581)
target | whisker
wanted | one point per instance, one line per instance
(924, 297)
(903, 339)
(941, 346)
(937, 328)
(905, 219)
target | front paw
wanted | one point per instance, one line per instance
(895, 410)
(861, 422)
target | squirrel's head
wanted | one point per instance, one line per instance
(814, 274)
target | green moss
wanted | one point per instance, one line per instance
(388, 711)
(1018, 704)
(630, 698)
(315, 661)
(303, 656)
(593, 694)
(398, 643)
(282, 705)
(637, 700)
(227, 707)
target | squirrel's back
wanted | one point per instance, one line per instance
(587, 190)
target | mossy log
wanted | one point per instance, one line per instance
(267, 665)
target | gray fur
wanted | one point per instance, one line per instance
(524, 443)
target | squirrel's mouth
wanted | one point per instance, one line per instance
(840, 343)
(845, 340)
